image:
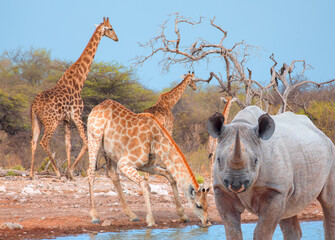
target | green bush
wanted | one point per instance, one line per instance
(11, 173)
(18, 167)
(83, 173)
(43, 165)
(200, 179)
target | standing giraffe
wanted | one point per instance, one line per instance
(63, 103)
(162, 110)
(212, 142)
(128, 140)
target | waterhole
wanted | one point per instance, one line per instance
(310, 231)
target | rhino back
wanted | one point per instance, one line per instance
(296, 160)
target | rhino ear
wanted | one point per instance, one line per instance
(215, 125)
(266, 126)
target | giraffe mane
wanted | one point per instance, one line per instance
(188, 168)
(225, 107)
(163, 94)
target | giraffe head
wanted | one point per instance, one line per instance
(190, 76)
(198, 202)
(107, 30)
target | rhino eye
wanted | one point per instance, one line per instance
(256, 160)
(218, 159)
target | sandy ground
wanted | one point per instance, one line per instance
(48, 207)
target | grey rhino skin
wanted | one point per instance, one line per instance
(273, 166)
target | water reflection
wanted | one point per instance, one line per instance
(310, 230)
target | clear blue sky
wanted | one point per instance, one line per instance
(302, 29)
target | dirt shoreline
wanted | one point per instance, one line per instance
(47, 207)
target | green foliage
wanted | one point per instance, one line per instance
(116, 82)
(18, 167)
(11, 120)
(200, 179)
(83, 173)
(44, 164)
(22, 75)
(322, 114)
(30, 66)
(11, 173)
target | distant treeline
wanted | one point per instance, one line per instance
(24, 73)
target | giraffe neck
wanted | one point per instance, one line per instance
(172, 97)
(226, 109)
(76, 74)
(173, 158)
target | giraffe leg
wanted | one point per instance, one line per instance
(81, 129)
(211, 164)
(212, 142)
(67, 131)
(93, 149)
(179, 207)
(36, 129)
(131, 172)
(48, 132)
(112, 173)
(146, 176)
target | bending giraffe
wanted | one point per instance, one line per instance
(212, 142)
(63, 103)
(128, 140)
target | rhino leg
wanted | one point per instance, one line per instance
(291, 228)
(229, 213)
(271, 208)
(326, 199)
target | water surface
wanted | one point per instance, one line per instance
(310, 231)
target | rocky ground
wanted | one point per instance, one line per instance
(49, 207)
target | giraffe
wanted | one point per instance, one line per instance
(128, 140)
(63, 103)
(212, 142)
(162, 110)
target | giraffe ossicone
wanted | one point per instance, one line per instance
(63, 103)
(128, 140)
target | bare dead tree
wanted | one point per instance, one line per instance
(288, 84)
(234, 60)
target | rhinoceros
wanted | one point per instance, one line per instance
(273, 166)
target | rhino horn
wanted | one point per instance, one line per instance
(237, 161)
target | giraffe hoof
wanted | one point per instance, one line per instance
(69, 176)
(96, 221)
(151, 225)
(182, 220)
(136, 219)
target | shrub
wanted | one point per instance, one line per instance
(43, 165)
(18, 167)
(83, 173)
(200, 179)
(11, 173)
